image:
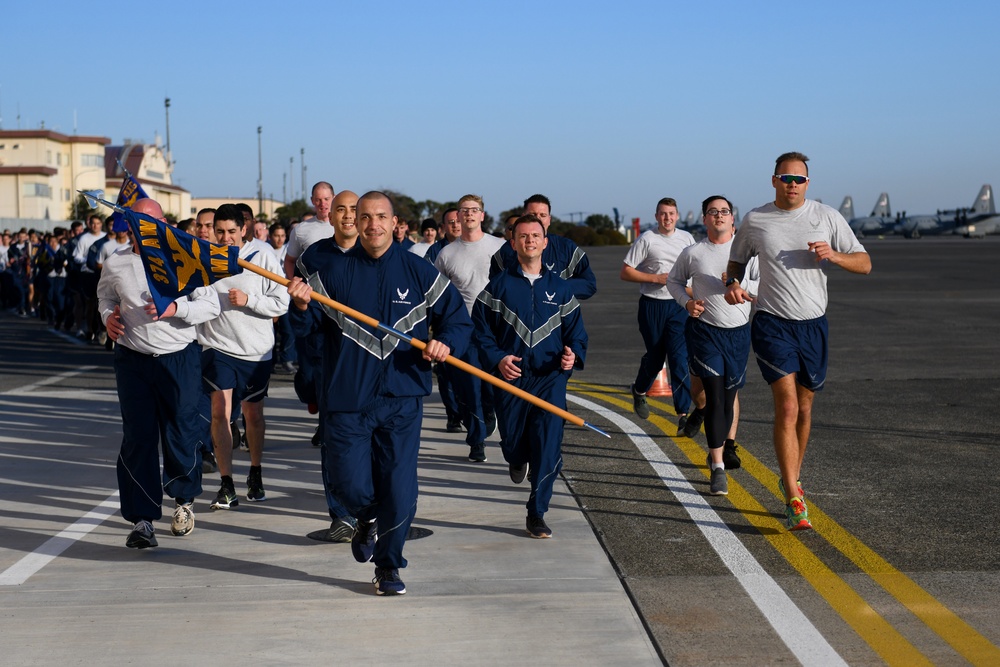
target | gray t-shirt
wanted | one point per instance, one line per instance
(792, 282)
(305, 234)
(467, 265)
(655, 253)
(703, 265)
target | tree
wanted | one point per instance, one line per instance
(599, 221)
(405, 207)
(296, 210)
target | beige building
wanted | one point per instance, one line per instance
(270, 205)
(42, 170)
(151, 166)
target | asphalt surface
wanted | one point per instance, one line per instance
(644, 566)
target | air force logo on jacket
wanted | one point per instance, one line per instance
(400, 290)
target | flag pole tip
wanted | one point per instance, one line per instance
(594, 428)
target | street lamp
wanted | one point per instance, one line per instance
(166, 105)
(260, 176)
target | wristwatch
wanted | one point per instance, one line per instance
(731, 281)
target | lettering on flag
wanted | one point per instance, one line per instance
(130, 193)
(177, 263)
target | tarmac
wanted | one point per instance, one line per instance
(251, 585)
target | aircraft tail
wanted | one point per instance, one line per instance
(984, 202)
(847, 208)
(882, 209)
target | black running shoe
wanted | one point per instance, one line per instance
(477, 453)
(535, 525)
(225, 499)
(341, 530)
(255, 486)
(387, 582)
(694, 422)
(491, 423)
(234, 428)
(729, 456)
(517, 473)
(363, 542)
(142, 536)
(454, 425)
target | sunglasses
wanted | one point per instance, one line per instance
(792, 178)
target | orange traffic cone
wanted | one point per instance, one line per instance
(661, 385)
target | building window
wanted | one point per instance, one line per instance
(37, 190)
(154, 175)
(66, 196)
(91, 160)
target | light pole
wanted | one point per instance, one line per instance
(302, 153)
(166, 106)
(260, 176)
(291, 176)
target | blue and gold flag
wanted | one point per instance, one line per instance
(177, 263)
(130, 193)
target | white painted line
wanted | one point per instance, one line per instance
(19, 572)
(798, 633)
(52, 380)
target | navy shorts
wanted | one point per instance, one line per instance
(785, 346)
(247, 379)
(717, 352)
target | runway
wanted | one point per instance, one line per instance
(902, 567)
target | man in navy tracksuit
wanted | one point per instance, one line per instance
(561, 256)
(530, 332)
(374, 382)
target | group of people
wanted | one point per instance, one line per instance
(210, 353)
(510, 306)
(53, 275)
(695, 313)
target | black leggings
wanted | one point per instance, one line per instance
(719, 403)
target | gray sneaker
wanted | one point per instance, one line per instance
(694, 421)
(720, 484)
(639, 404)
(142, 536)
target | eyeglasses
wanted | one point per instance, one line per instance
(792, 178)
(718, 211)
(472, 209)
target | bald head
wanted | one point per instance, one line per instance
(149, 207)
(345, 206)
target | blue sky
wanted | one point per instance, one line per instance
(597, 105)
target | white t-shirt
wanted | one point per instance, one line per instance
(703, 264)
(109, 248)
(655, 253)
(792, 282)
(467, 265)
(305, 234)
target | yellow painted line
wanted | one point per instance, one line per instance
(885, 640)
(961, 636)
